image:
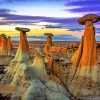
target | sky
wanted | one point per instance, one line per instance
(56, 16)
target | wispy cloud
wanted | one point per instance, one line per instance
(87, 6)
(52, 14)
(8, 18)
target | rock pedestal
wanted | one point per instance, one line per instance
(22, 56)
(83, 74)
(48, 44)
(23, 44)
(3, 45)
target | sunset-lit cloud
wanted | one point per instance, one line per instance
(55, 16)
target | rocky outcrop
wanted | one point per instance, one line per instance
(40, 86)
(6, 48)
(48, 44)
(21, 56)
(49, 38)
(83, 79)
(3, 45)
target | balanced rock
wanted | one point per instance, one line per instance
(83, 79)
(48, 43)
(21, 56)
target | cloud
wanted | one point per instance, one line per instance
(5, 11)
(83, 6)
(18, 1)
(10, 18)
(12, 1)
(76, 29)
(78, 7)
(50, 22)
(54, 26)
(86, 9)
(82, 3)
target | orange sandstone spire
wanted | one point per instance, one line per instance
(23, 44)
(3, 45)
(49, 38)
(83, 74)
(48, 43)
(9, 43)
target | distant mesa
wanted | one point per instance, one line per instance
(89, 17)
(22, 29)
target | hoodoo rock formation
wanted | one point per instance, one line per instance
(21, 56)
(48, 43)
(10, 47)
(23, 45)
(49, 38)
(83, 79)
(3, 45)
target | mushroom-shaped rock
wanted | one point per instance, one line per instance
(48, 44)
(21, 56)
(22, 29)
(49, 38)
(23, 45)
(83, 74)
(89, 17)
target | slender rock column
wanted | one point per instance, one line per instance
(48, 44)
(3, 45)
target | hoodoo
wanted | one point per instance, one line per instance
(48, 43)
(82, 79)
(49, 38)
(3, 45)
(10, 47)
(23, 49)
(21, 56)
(23, 45)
